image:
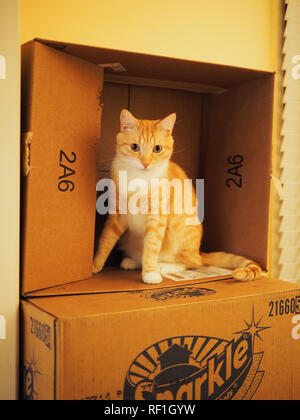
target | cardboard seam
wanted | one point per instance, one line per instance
(29, 302)
(167, 84)
(28, 295)
(57, 342)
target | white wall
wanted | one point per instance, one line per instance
(9, 190)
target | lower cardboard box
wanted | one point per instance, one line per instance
(203, 341)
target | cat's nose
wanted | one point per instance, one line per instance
(146, 164)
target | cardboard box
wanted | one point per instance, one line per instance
(110, 336)
(215, 340)
(223, 134)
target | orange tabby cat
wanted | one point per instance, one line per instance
(156, 241)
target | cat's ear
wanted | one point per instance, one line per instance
(168, 123)
(128, 122)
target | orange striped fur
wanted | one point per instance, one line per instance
(157, 242)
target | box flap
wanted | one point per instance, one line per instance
(161, 68)
(87, 305)
(112, 280)
(61, 116)
(238, 171)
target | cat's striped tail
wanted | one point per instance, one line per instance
(244, 269)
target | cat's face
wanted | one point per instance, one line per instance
(145, 144)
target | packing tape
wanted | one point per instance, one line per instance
(26, 142)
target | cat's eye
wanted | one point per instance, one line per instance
(157, 149)
(135, 147)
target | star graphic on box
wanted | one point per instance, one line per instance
(254, 329)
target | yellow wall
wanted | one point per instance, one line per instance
(9, 188)
(244, 33)
(235, 32)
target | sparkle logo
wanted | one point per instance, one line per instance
(198, 368)
(178, 293)
(254, 329)
(30, 374)
(2, 328)
(2, 67)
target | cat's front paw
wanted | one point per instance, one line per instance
(152, 277)
(97, 267)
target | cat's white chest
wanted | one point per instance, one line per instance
(136, 224)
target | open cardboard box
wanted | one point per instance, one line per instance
(222, 112)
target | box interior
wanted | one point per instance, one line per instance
(223, 134)
(218, 138)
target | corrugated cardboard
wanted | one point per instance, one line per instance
(218, 340)
(238, 170)
(213, 133)
(61, 130)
